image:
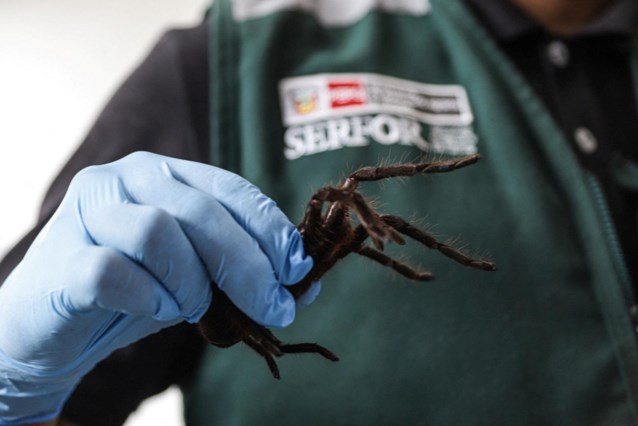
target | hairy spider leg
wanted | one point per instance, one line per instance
(320, 235)
(320, 231)
(357, 245)
(402, 268)
(265, 353)
(310, 225)
(337, 220)
(376, 228)
(298, 348)
(294, 348)
(367, 174)
(239, 327)
(264, 342)
(455, 254)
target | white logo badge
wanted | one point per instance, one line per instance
(331, 111)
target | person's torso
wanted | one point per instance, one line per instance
(304, 93)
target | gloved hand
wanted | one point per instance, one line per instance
(131, 250)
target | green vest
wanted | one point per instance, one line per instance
(304, 93)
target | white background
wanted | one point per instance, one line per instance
(59, 63)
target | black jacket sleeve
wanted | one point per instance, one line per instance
(163, 108)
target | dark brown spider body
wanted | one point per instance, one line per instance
(328, 237)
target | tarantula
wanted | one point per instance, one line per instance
(328, 237)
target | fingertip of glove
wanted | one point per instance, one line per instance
(199, 312)
(282, 320)
(298, 263)
(167, 309)
(282, 312)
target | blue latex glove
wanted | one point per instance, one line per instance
(131, 250)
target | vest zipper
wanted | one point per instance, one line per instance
(615, 248)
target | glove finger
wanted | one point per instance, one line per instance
(262, 219)
(234, 259)
(255, 212)
(152, 238)
(103, 277)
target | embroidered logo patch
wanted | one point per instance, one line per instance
(331, 111)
